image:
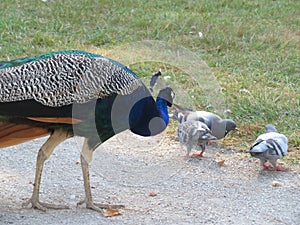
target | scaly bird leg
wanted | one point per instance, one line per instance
(263, 165)
(188, 150)
(198, 154)
(86, 158)
(45, 152)
(268, 167)
(277, 168)
(201, 153)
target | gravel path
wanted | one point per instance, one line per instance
(127, 168)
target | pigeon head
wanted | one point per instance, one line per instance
(270, 128)
(176, 115)
(230, 125)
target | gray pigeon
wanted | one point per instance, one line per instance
(270, 146)
(218, 126)
(194, 133)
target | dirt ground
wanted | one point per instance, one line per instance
(127, 168)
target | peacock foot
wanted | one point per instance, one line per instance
(36, 204)
(99, 206)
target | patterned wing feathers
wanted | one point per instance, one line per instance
(270, 143)
(65, 79)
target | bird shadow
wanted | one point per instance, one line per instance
(266, 175)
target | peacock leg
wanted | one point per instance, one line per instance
(86, 158)
(45, 152)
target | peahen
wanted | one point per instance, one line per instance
(270, 146)
(75, 93)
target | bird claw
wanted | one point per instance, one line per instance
(36, 204)
(187, 156)
(278, 168)
(198, 154)
(99, 206)
(269, 167)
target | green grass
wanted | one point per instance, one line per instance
(252, 47)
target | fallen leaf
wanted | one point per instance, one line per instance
(152, 194)
(110, 212)
(221, 162)
(217, 154)
(276, 183)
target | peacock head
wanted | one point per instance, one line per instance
(167, 94)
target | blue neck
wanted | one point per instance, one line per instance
(162, 106)
(143, 116)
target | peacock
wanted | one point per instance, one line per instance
(75, 93)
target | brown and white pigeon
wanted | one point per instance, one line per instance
(194, 133)
(270, 146)
(219, 127)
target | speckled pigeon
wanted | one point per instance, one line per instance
(194, 133)
(270, 146)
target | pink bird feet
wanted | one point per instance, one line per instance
(198, 154)
(278, 168)
(195, 155)
(268, 167)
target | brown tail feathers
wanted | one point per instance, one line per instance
(13, 134)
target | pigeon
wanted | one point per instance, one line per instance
(154, 79)
(218, 126)
(270, 146)
(191, 133)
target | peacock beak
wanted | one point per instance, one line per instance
(170, 103)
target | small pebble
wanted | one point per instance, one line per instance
(276, 183)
